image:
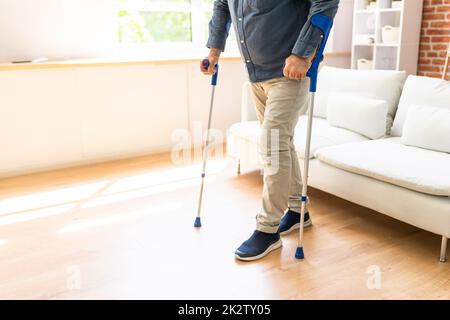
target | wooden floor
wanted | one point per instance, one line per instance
(124, 230)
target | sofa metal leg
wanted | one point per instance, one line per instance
(443, 257)
(238, 166)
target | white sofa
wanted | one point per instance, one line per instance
(407, 183)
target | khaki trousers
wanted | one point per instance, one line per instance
(279, 102)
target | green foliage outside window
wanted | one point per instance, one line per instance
(132, 28)
(158, 26)
(144, 27)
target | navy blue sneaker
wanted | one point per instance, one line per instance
(291, 221)
(258, 246)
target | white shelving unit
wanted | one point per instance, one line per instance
(368, 44)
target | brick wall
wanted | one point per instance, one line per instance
(435, 37)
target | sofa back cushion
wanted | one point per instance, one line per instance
(428, 128)
(371, 84)
(361, 115)
(422, 91)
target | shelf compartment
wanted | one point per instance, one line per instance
(365, 23)
(361, 4)
(387, 10)
(366, 11)
(386, 57)
(362, 52)
(388, 5)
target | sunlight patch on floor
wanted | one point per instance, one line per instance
(164, 176)
(145, 192)
(123, 217)
(35, 214)
(49, 198)
(49, 203)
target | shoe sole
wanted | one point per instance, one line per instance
(271, 248)
(296, 226)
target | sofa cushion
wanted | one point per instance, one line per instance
(247, 130)
(421, 91)
(427, 127)
(390, 161)
(372, 84)
(361, 115)
(323, 135)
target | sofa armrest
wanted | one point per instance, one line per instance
(247, 105)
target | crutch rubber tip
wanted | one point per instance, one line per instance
(197, 223)
(299, 253)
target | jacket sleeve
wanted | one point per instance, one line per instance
(310, 37)
(219, 25)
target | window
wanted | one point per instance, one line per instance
(162, 23)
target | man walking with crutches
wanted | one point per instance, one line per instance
(277, 41)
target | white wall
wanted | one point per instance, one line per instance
(341, 34)
(53, 118)
(56, 29)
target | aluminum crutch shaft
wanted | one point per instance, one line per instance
(205, 65)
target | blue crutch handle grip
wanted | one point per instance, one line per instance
(205, 65)
(324, 24)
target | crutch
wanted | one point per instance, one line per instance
(205, 65)
(323, 23)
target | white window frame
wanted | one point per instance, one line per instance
(196, 8)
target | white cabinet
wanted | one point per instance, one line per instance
(386, 34)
